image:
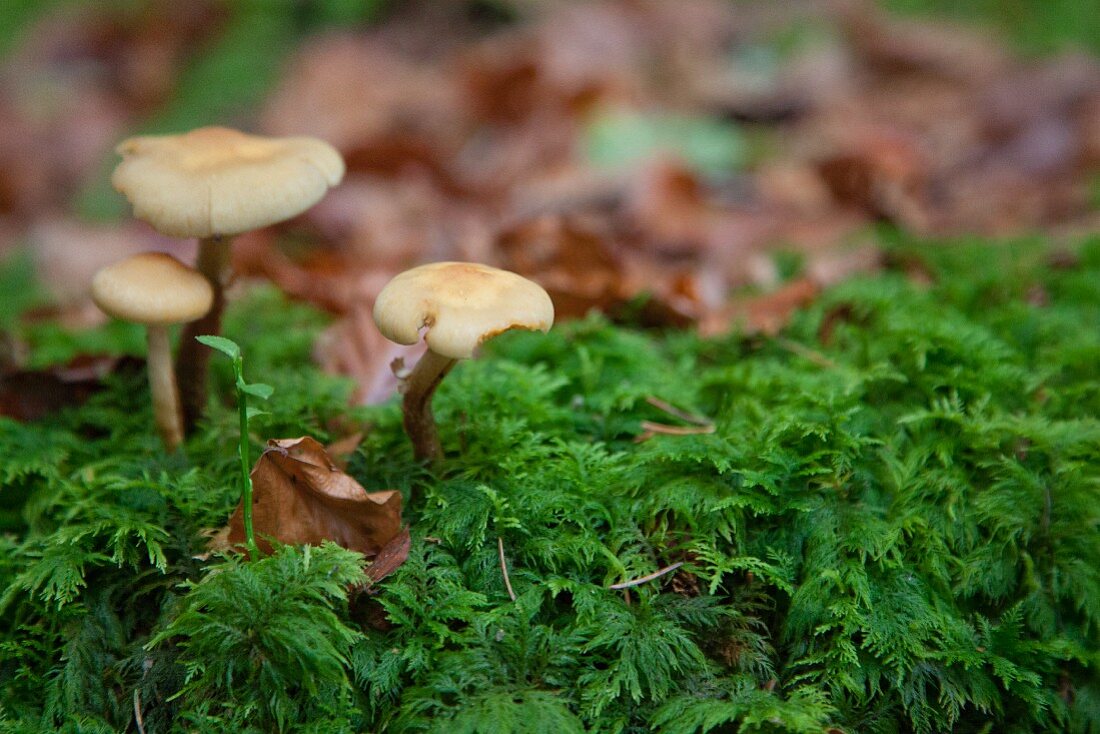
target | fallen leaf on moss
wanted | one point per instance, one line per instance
(301, 497)
(390, 558)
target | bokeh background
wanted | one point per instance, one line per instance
(700, 163)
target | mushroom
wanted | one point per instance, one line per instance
(457, 306)
(156, 290)
(213, 183)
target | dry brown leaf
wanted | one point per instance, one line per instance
(341, 449)
(881, 172)
(764, 314)
(1051, 88)
(357, 91)
(667, 203)
(30, 395)
(899, 45)
(573, 258)
(578, 55)
(354, 347)
(390, 557)
(300, 497)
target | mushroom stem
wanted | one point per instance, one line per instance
(162, 385)
(192, 363)
(213, 258)
(419, 422)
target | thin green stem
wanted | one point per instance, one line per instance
(242, 451)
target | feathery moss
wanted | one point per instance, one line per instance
(893, 527)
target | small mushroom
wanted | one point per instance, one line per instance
(213, 183)
(156, 290)
(457, 306)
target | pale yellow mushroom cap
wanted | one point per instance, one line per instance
(152, 288)
(216, 181)
(460, 305)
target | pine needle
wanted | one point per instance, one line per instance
(650, 577)
(504, 569)
(139, 721)
(672, 410)
(651, 429)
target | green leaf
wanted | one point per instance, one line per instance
(226, 346)
(251, 412)
(256, 389)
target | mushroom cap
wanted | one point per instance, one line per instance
(217, 181)
(152, 288)
(460, 305)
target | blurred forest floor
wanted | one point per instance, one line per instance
(700, 163)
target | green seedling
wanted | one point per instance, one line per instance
(257, 390)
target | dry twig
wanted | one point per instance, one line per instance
(504, 569)
(650, 429)
(805, 352)
(650, 577)
(683, 415)
(138, 719)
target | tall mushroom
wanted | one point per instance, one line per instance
(156, 290)
(213, 183)
(457, 306)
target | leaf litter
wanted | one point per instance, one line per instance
(613, 150)
(549, 135)
(641, 159)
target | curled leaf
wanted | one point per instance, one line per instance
(301, 497)
(390, 558)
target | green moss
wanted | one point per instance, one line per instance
(892, 528)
